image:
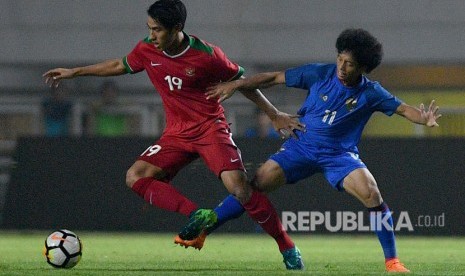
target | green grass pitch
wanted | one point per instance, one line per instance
(225, 254)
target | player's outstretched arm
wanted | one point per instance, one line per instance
(112, 67)
(223, 91)
(420, 115)
(283, 123)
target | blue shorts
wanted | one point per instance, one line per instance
(300, 161)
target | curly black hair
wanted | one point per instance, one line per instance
(363, 46)
(169, 13)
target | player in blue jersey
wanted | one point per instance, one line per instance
(339, 103)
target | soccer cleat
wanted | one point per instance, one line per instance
(198, 221)
(394, 265)
(293, 259)
(196, 243)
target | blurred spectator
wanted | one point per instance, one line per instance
(263, 127)
(105, 118)
(56, 112)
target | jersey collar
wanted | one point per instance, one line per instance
(183, 52)
(362, 83)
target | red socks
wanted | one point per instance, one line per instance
(163, 195)
(259, 207)
(262, 211)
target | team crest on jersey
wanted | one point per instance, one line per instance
(324, 97)
(351, 103)
(190, 71)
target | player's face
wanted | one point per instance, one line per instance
(161, 37)
(348, 70)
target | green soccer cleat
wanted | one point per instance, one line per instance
(198, 221)
(293, 259)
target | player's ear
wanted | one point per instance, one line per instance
(363, 69)
(178, 27)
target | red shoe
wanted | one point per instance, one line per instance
(196, 243)
(394, 265)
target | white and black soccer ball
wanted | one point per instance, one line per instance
(63, 249)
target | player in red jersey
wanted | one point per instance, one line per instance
(181, 67)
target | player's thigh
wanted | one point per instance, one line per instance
(337, 166)
(224, 160)
(221, 157)
(292, 163)
(361, 184)
(269, 176)
(218, 150)
(169, 155)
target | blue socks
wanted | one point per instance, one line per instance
(380, 218)
(382, 224)
(229, 208)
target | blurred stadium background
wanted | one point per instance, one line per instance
(424, 59)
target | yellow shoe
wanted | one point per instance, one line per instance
(394, 265)
(196, 243)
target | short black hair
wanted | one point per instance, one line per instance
(168, 13)
(363, 46)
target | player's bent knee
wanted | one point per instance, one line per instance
(372, 198)
(243, 193)
(236, 184)
(257, 184)
(243, 196)
(131, 178)
(262, 176)
(141, 169)
(376, 198)
(132, 175)
(267, 180)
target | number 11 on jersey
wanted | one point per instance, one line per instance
(331, 115)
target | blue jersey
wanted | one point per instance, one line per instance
(335, 115)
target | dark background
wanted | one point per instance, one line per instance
(79, 184)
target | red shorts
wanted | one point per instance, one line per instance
(216, 148)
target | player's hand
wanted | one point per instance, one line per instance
(222, 91)
(53, 77)
(286, 124)
(431, 115)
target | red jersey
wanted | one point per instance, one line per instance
(181, 81)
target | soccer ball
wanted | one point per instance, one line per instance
(63, 249)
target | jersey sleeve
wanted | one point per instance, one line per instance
(133, 62)
(305, 76)
(381, 100)
(224, 68)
